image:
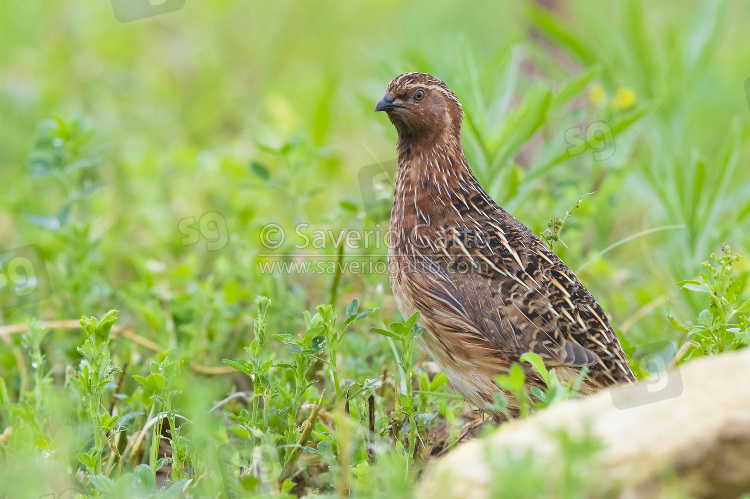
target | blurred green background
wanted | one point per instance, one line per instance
(262, 112)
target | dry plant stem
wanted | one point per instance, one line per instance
(642, 312)
(141, 435)
(307, 427)
(151, 422)
(115, 454)
(73, 324)
(211, 370)
(680, 354)
(123, 331)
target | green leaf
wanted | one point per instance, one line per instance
(314, 331)
(260, 170)
(321, 435)
(385, 332)
(557, 31)
(411, 322)
(406, 401)
(744, 336)
(87, 461)
(574, 86)
(514, 380)
(501, 403)
(249, 482)
(539, 394)
(619, 127)
(538, 365)
(364, 314)
(706, 319)
(155, 382)
(695, 286)
(145, 478)
(4, 398)
(439, 380)
(325, 448)
(102, 483)
(373, 383)
(744, 308)
(84, 380)
(318, 343)
(107, 421)
(235, 365)
(287, 486)
(676, 324)
(105, 325)
(522, 123)
(351, 310)
(288, 339)
(349, 206)
(295, 348)
(399, 328)
(415, 331)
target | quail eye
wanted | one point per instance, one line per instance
(419, 95)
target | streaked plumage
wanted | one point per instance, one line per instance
(487, 289)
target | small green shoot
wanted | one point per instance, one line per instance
(724, 324)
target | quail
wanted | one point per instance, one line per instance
(486, 288)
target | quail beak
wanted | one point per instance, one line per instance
(387, 103)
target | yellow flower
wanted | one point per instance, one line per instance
(597, 95)
(624, 98)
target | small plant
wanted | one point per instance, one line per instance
(33, 342)
(556, 390)
(64, 151)
(306, 352)
(162, 380)
(95, 373)
(257, 368)
(551, 234)
(406, 333)
(724, 325)
(284, 388)
(325, 319)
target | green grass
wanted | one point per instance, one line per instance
(145, 162)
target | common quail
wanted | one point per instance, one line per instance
(485, 286)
